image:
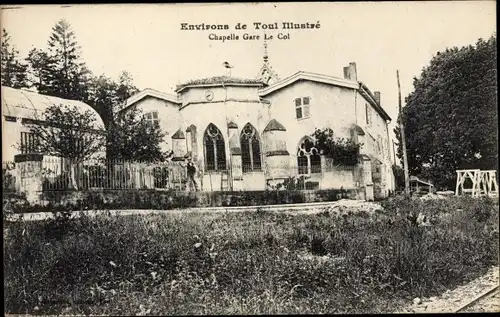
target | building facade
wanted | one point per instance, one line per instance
(252, 134)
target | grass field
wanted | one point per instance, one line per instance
(248, 263)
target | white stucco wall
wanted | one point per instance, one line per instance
(330, 106)
(168, 115)
(11, 136)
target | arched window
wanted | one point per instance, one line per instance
(308, 158)
(215, 152)
(250, 149)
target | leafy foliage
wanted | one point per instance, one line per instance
(68, 132)
(39, 69)
(14, 73)
(342, 151)
(399, 176)
(132, 138)
(451, 117)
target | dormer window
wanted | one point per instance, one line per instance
(302, 105)
(152, 119)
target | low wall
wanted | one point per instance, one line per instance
(164, 200)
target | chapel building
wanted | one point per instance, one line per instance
(251, 134)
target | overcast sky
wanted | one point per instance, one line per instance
(147, 40)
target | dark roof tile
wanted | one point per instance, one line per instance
(274, 125)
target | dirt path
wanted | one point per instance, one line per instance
(487, 304)
(451, 301)
(340, 206)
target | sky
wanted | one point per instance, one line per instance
(147, 40)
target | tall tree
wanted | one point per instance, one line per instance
(13, 72)
(39, 70)
(69, 76)
(103, 97)
(451, 116)
(108, 97)
(126, 87)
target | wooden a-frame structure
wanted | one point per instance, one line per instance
(484, 183)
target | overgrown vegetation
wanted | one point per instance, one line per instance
(124, 199)
(341, 150)
(247, 263)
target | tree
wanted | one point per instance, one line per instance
(399, 177)
(39, 70)
(133, 138)
(14, 73)
(103, 97)
(69, 133)
(126, 87)
(451, 116)
(108, 98)
(68, 76)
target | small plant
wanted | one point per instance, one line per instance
(318, 245)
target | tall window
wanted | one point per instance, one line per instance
(215, 152)
(308, 158)
(250, 149)
(302, 105)
(29, 143)
(152, 119)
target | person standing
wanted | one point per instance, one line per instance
(191, 172)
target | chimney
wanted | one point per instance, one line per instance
(346, 73)
(350, 72)
(377, 96)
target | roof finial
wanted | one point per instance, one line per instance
(266, 57)
(266, 74)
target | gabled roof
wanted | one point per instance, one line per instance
(232, 125)
(274, 125)
(329, 80)
(311, 77)
(148, 92)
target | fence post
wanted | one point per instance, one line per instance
(29, 169)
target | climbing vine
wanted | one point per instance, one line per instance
(341, 150)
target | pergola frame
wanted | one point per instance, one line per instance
(490, 180)
(484, 183)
